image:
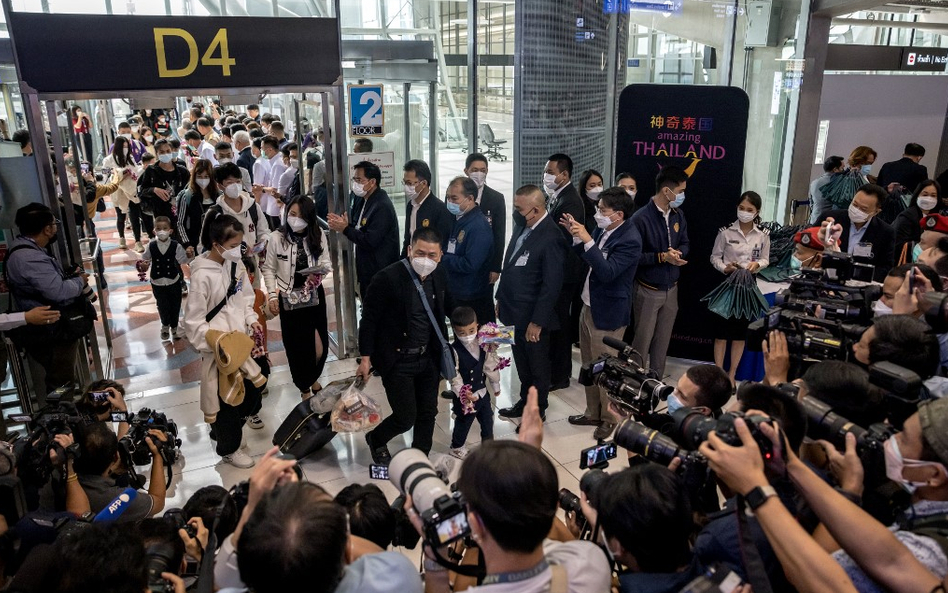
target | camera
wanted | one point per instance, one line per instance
(810, 339)
(134, 450)
(442, 511)
(180, 521)
(158, 558)
(903, 388)
(588, 485)
(692, 428)
(653, 445)
(632, 387)
(839, 266)
(405, 534)
(34, 466)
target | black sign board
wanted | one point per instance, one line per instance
(91, 53)
(924, 59)
(703, 130)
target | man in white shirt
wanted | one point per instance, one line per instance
(291, 160)
(200, 146)
(270, 147)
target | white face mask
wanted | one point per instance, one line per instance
(295, 163)
(468, 339)
(631, 193)
(225, 161)
(602, 221)
(880, 308)
(895, 464)
(856, 215)
(202, 182)
(163, 235)
(423, 266)
(166, 157)
(232, 190)
(549, 182)
(358, 189)
(126, 136)
(593, 194)
(149, 137)
(745, 216)
(410, 192)
(479, 178)
(296, 223)
(927, 202)
(232, 255)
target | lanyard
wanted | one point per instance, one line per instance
(516, 577)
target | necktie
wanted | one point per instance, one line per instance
(519, 243)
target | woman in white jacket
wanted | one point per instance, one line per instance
(119, 161)
(222, 299)
(299, 298)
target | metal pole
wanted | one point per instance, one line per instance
(407, 121)
(433, 135)
(611, 98)
(471, 76)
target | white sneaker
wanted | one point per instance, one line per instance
(177, 333)
(165, 332)
(444, 465)
(460, 452)
(255, 422)
(138, 247)
(239, 459)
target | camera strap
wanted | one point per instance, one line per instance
(516, 577)
(753, 564)
(206, 572)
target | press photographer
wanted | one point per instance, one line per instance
(102, 401)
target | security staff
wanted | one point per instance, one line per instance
(371, 225)
(398, 340)
(530, 283)
(664, 249)
(468, 256)
(564, 199)
(421, 208)
(493, 206)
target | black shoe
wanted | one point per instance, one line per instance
(559, 385)
(603, 431)
(380, 455)
(582, 420)
(447, 394)
(515, 411)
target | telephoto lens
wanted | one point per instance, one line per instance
(693, 427)
(412, 473)
(642, 440)
(158, 557)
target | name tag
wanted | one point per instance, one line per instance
(522, 260)
(863, 250)
(452, 246)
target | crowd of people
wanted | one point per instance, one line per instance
(750, 497)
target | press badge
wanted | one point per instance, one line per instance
(452, 246)
(522, 260)
(755, 254)
(863, 250)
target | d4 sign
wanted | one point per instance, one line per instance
(218, 44)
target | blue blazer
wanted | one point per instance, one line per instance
(528, 292)
(612, 274)
(467, 257)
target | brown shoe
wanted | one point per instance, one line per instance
(603, 431)
(582, 420)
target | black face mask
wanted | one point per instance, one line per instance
(53, 239)
(519, 219)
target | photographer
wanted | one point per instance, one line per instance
(370, 515)
(845, 388)
(901, 340)
(100, 456)
(702, 386)
(511, 494)
(894, 299)
(204, 505)
(93, 407)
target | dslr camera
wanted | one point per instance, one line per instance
(632, 387)
(442, 511)
(692, 428)
(134, 450)
(569, 502)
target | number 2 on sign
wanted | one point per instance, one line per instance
(219, 43)
(373, 116)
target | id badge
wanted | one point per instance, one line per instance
(452, 246)
(863, 250)
(522, 260)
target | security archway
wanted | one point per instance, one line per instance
(176, 56)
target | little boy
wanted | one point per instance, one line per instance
(165, 256)
(475, 368)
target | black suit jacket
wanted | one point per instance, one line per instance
(377, 241)
(528, 293)
(904, 171)
(432, 214)
(495, 209)
(879, 233)
(386, 308)
(569, 202)
(246, 161)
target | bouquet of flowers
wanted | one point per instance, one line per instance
(490, 336)
(259, 343)
(142, 267)
(467, 399)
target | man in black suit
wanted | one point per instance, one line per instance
(371, 225)
(422, 208)
(397, 338)
(863, 231)
(564, 200)
(245, 158)
(906, 171)
(529, 287)
(493, 206)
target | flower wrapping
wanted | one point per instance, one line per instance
(491, 335)
(142, 267)
(467, 399)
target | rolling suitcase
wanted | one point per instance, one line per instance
(304, 431)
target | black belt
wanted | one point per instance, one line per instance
(420, 350)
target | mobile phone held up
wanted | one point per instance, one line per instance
(598, 455)
(378, 472)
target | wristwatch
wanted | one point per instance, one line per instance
(758, 496)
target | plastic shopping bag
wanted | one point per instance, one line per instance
(325, 400)
(355, 411)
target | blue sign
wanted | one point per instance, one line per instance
(366, 109)
(665, 7)
(633, 63)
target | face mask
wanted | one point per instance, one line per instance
(225, 161)
(679, 200)
(54, 238)
(602, 221)
(468, 339)
(796, 264)
(927, 202)
(674, 404)
(295, 163)
(410, 192)
(916, 251)
(126, 136)
(148, 112)
(856, 215)
(745, 216)
(453, 208)
(202, 182)
(593, 194)
(631, 193)
(166, 157)
(358, 189)
(296, 223)
(519, 219)
(866, 169)
(232, 190)
(479, 178)
(880, 308)
(126, 150)
(163, 235)
(149, 137)
(135, 129)
(423, 266)
(895, 463)
(549, 182)
(232, 255)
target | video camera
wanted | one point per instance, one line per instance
(133, 449)
(33, 464)
(632, 387)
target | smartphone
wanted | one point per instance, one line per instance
(119, 416)
(99, 397)
(597, 455)
(378, 472)
(259, 247)
(85, 167)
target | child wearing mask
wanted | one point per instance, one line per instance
(165, 256)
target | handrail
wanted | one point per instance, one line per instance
(94, 252)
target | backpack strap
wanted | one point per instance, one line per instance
(231, 291)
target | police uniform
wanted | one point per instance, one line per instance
(732, 245)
